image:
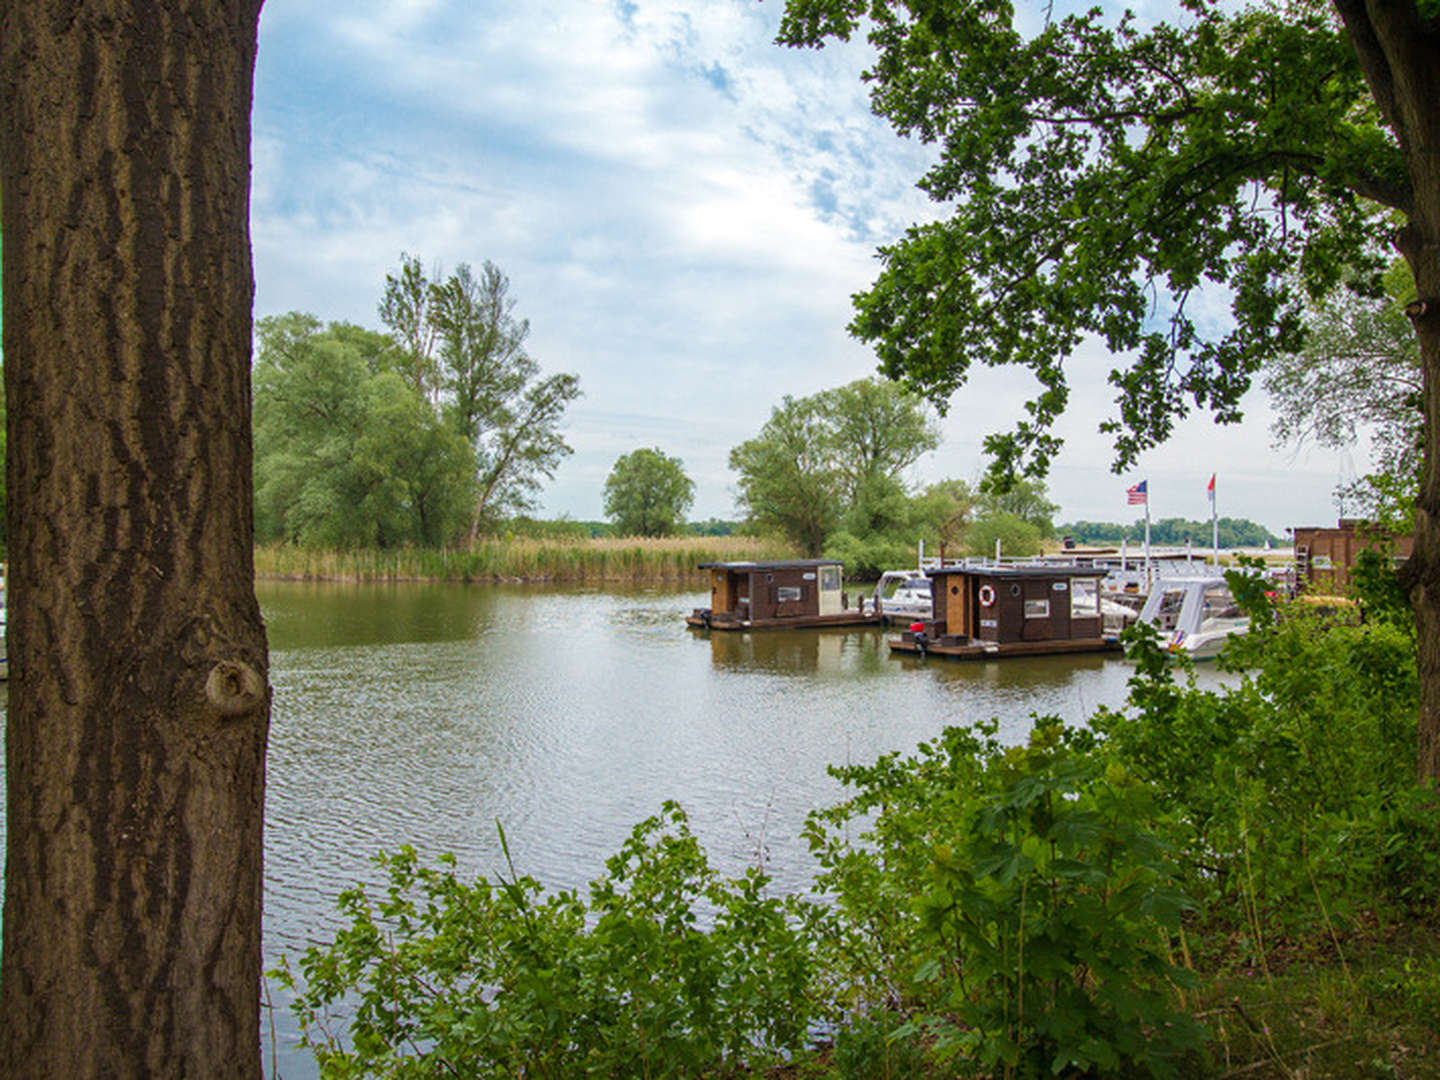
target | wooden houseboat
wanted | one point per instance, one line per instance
(771, 595)
(1325, 557)
(984, 612)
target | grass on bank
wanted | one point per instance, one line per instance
(631, 560)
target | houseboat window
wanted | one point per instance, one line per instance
(1037, 609)
(788, 594)
(830, 578)
(1084, 597)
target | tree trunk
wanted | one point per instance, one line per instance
(1399, 56)
(1415, 67)
(1422, 574)
(138, 704)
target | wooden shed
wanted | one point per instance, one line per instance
(764, 595)
(989, 611)
(1323, 557)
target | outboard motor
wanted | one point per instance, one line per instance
(921, 640)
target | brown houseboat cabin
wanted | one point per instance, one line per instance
(988, 611)
(1325, 557)
(762, 595)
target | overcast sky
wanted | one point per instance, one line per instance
(683, 209)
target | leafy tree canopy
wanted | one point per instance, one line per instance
(347, 454)
(1027, 500)
(461, 345)
(1359, 370)
(1100, 176)
(647, 493)
(818, 457)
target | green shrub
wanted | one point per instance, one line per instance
(1296, 787)
(1015, 902)
(444, 978)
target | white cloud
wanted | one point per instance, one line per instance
(683, 208)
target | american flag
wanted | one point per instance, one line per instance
(1136, 496)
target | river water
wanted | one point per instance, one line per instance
(425, 714)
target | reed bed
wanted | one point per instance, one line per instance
(633, 560)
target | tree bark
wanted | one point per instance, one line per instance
(138, 703)
(1399, 54)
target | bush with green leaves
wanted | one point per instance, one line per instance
(444, 978)
(1015, 902)
(1296, 786)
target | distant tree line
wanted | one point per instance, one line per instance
(1167, 532)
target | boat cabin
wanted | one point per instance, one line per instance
(988, 611)
(1194, 615)
(1325, 557)
(761, 595)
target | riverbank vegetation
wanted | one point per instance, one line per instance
(1235, 882)
(557, 560)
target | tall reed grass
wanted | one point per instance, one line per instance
(634, 560)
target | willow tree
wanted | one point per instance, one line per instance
(138, 702)
(1100, 178)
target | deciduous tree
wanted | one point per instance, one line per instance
(1103, 177)
(647, 493)
(347, 453)
(818, 458)
(138, 702)
(1359, 370)
(465, 349)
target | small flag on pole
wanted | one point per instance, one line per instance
(1136, 496)
(1211, 488)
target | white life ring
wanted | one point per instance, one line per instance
(987, 596)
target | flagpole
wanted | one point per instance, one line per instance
(1149, 581)
(1214, 525)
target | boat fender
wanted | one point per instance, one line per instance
(921, 641)
(987, 596)
(705, 618)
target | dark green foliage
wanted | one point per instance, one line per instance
(1291, 788)
(347, 454)
(647, 493)
(499, 979)
(1097, 176)
(838, 452)
(711, 527)
(1015, 903)
(1377, 588)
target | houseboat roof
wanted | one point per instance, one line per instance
(783, 564)
(1051, 571)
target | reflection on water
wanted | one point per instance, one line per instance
(425, 714)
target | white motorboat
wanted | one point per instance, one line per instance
(904, 595)
(1195, 615)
